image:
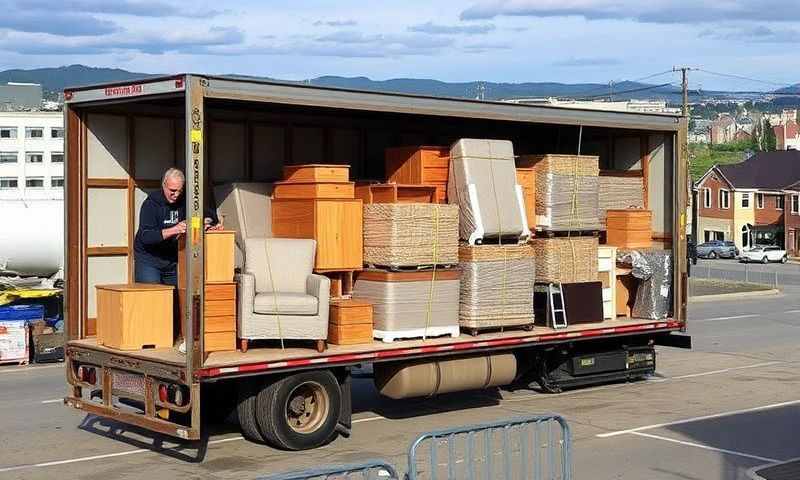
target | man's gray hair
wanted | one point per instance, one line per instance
(173, 173)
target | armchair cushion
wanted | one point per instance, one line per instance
(290, 263)
(288, 304)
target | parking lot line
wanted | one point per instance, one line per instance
(705, 447)
(696, 419)
(724, 370)
(716, 319)
(68, 461)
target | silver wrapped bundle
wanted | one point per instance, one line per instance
(620, 193)
(496, 286)
(410, 234)
(654, 269)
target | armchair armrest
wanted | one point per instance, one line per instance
(320, 286)
(246, 292)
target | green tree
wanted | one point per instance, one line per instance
(770, 143)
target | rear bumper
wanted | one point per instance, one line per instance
(152, 424)
(138, 385)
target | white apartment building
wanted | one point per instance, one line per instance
(31, 155)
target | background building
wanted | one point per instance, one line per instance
(20, 96)
(31, 155)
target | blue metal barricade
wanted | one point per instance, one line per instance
(370, 470)
(535, 448)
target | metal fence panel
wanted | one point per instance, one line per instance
(535, 448)
(370, 470)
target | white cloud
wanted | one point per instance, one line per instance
(437, 29)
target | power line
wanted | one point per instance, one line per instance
(603, 87)
(741, 77)
(632, 90)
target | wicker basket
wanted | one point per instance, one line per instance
(565, 259)
(566, 191)
(496, 286)
(410, 234)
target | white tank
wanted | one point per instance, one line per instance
(31, 236)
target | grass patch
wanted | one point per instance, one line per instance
(702, 157)
(699, 287)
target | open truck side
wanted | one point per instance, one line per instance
(121, 137)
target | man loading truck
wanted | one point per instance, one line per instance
(162, 220)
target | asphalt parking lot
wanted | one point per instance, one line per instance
(729, 405)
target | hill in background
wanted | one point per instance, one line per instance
(57, 79)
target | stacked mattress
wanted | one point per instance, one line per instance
(619, 193)
(410, 234)
(565, 259)
(567, 189)
(496, 286)
(417, 304)
(483, 183)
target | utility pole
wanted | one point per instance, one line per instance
(611, 91)
(692, 250)
(685, 86)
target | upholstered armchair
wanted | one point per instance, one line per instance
(279, 295)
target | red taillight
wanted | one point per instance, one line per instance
(162, 393)
(87, 374)
(179, 83)
(67, 95)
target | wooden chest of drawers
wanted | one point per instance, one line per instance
(629, 228)
(336, 225)
(219, 316)
(218, 257)
(350, 322)
(425, 165)
(316, 173)
(313, 190)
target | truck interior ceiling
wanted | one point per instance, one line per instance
(128, 146)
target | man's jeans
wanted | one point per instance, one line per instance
(146, 273)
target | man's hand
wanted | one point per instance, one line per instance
(212, 228)
(174, 230)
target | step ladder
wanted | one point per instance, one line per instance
(555, 302)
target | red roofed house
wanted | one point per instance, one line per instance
(787, 136)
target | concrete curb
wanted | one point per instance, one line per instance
(733, 296)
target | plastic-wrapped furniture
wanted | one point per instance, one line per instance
(483, 182)
(279, 296)
(245, 209)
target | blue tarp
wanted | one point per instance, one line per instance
(29, 313)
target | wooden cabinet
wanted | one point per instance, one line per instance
(336, 225)
(396, 193)
(219, 316)
(526, 178)
(134, 316)
(424, 165)
(350, 322)
(632, 228)
(218, 257)
(316, 173)
(313, 190)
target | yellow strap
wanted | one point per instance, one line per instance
(274, 292)
(428, 310)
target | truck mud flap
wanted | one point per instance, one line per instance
(673, 340)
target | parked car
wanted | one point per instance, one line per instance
(717, 249)
(764, 254)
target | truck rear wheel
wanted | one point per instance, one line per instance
(300, 411)
(247, 393)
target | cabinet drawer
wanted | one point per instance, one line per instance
(219, 341)
(222, 323)
(219, 308)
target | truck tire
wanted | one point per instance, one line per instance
(246, 410)
(300, 411)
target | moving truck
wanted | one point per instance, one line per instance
(121, 137)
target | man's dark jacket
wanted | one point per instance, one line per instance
(155, 215)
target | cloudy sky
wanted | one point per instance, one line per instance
(492, 40)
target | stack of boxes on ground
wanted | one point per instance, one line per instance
(468, 238)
